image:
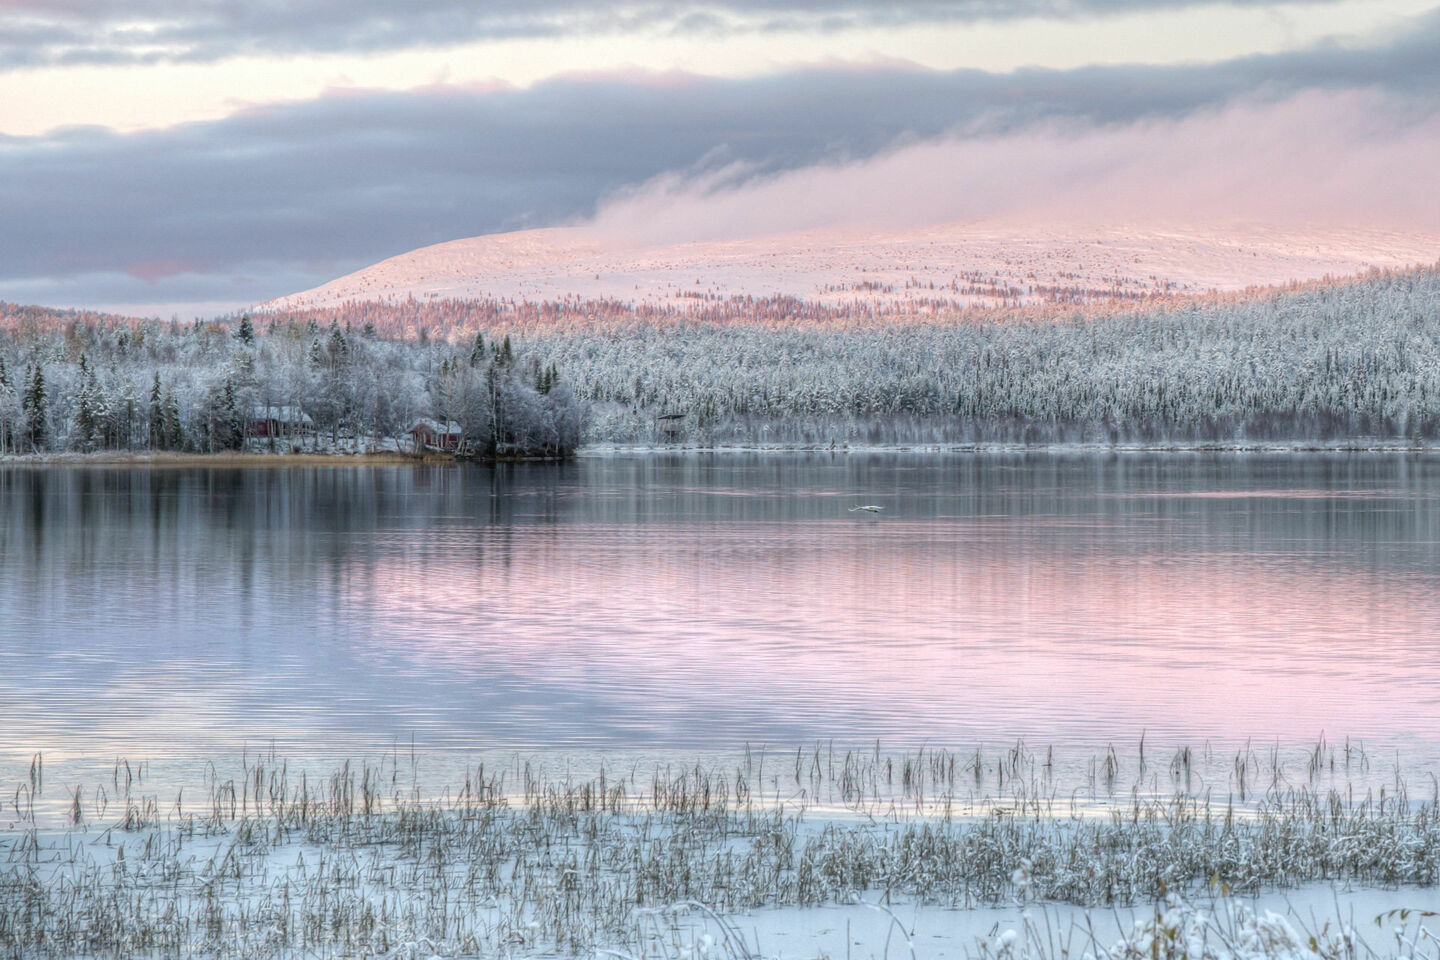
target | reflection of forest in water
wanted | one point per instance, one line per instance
(709, 601)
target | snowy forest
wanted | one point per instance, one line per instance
(1329, 362)
(1357, 361)
(73, 382)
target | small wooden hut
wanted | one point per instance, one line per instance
(278, 420)
(429, 434)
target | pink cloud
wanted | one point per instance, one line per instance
(1344, 159)
(153, 271)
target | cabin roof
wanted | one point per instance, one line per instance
(435, 426)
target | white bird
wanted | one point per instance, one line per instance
(870, 508)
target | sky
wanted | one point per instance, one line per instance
(191, 158)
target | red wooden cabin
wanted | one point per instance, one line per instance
(433, 435)
(278, 421)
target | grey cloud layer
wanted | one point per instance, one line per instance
(62, 32)
(320, 187)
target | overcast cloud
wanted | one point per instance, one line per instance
(1318, 159)
(50, 32)
(274, 199)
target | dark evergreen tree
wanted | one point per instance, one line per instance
(174, 438)
(86, 422)
(504, 353)
(156, 416)
(338, 348)
(35, 407)
(120, 423)
(5, 426)
(235, 421)
(222, 419)
(246, 333)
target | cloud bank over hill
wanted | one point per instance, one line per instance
(1323, 159)
(277, 198)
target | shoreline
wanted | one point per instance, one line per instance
(1362, 445)
(120, 458)
(606, 450)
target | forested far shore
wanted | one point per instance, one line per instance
(109, 384)
(1358, 361)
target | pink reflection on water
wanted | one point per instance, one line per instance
(952, 628)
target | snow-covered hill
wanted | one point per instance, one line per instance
(973, 263)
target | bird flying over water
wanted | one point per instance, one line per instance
(869, 508)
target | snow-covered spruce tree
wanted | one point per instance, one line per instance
(173, 436)
(155, 416)
(10, 410)
(35, 411)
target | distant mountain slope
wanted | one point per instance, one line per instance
(958, 264)
(20, 316)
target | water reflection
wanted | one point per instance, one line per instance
(701, 602)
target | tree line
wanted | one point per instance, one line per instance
(88, 383)
(1323, 362)
(1326, 362)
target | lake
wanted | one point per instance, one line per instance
(692, 604)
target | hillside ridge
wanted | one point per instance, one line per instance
(951, 266)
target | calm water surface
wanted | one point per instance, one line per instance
(697, 603)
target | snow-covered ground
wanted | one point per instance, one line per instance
(137, 881)
(966, 263)
(857, 854)
(1273, 924)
